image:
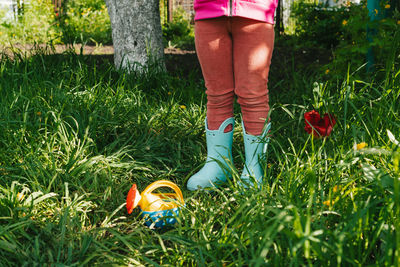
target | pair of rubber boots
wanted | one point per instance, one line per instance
(219, 158)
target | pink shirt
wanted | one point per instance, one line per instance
(263, 10)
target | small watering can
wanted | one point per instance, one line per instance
(159, 208)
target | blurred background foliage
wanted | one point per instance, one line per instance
(314, 23)
(345, 32)
(342, 30)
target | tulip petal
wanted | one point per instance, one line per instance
(318, 126)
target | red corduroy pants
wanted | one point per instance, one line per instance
(235, 55)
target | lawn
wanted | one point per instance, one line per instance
(76, 133)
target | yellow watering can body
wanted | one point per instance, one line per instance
(156, 205)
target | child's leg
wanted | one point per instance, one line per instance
(214, 50)
(253, 43)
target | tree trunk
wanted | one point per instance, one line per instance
(136, 33)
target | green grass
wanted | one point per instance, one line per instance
(76, 133)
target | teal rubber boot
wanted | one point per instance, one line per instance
(254, 150)
(219, 154)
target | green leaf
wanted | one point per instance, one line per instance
(392, 138)
(370, 172)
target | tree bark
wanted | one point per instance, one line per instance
(136, 33)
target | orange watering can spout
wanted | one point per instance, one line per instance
(133, 198)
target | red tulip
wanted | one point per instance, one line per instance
(318, 126)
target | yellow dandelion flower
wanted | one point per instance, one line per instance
(20, 196)
(336, 188)
(183, 107)
(361, 145)
(328, 203)
(169, 93)
(39, 113)
(327, 71)
(344, 22)
(398, 22)
(387, 6)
